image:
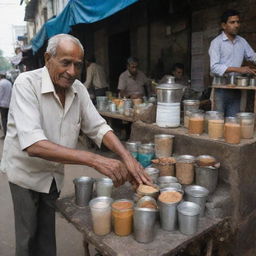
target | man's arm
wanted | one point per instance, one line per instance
(242, 70)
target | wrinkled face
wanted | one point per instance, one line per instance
(178, 73)
(65, 67)
(133, 68)
(231, 27)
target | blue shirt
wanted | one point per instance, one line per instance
(225, 53)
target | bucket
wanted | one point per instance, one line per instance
(207, 176)
(83, 190)
(168, 114)
(144, 220)
(198, 195)
(188, 216)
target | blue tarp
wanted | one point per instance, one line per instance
(76, 12)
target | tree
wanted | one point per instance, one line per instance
(4, 63)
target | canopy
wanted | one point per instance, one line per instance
(76, 12)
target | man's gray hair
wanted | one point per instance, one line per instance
(132, 60)
(55, 40)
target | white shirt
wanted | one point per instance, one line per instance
(36, 114)
(225, 53)
(95, 77)
(5, 93)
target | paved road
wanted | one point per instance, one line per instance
(69, 240)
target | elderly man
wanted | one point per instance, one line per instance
(227, 52)
(132, 83)
(48, 109)
(5, 97)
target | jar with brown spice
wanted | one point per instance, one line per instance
(190, 105)
(232, 130)
(185, 169)
(196, 123)
(163, 145)
(216, 125)
(246, 121)
(122, 216)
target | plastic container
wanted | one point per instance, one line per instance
(145, 154)
(187, 115)
(232, 130)
(216, 125)
(189, 105)
(101, 215)
(122, 216)
(246, 121)
(185, 169)
(132, 147)
(211, 115)
(163, 145)
(196, 123)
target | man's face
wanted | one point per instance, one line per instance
(178, 73)
(133, 68)
(231, 27)
(65, 67)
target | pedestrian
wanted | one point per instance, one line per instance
(49, 107)
(227, 53)
(5, 97)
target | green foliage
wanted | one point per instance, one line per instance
(4, 63)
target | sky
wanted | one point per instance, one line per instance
(11, 13)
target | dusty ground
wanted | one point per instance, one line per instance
(69, 240)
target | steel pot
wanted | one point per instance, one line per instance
(242, 81)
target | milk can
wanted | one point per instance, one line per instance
(169, 97)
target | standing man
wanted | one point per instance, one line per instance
(5, 97)
(132, 82)
(227, 52)
(96, 82)
(49, 107)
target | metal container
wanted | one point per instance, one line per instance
(252, 81)
(153, 173)
(145, 154)
(102, 103)
(164, 181)
(206, 160)
(242, 81)
(141, 202)
(170, 92)
(175, 185)
(231, 79)
(188, 215)
(144, 220)
(101, 215)
(198, 195)
(104, 187)
(207, 176)
(168, 214)
(83, 190)
(219, 80)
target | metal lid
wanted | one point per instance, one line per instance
(191, 102)
(170, 87)
(164, 136)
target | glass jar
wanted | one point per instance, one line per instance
(216, 125)
(188, 114)
(190, 105)
(146, 154)
(211, 114)
(232, 130)
(132, 147)
(196, 123)
(246, 121)
(122, 216)
(163, 145)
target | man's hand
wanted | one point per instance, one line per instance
(247, 70)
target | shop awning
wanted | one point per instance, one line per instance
(77, 12)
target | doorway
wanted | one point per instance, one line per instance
(119, 51)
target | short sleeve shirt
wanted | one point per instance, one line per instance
(36, 114)
(132, 85)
